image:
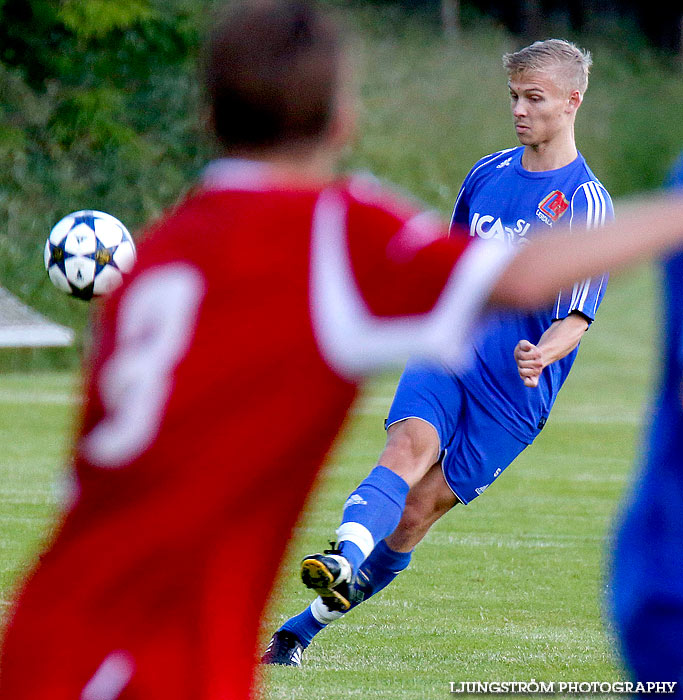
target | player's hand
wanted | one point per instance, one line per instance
(529, 361)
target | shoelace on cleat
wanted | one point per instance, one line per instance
(333, 548)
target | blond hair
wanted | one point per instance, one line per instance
(570, 63)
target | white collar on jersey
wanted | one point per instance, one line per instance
(236, 174)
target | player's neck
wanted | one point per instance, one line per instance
(314, 166)
(550, 155)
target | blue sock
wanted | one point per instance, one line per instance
(371, 513)
(378, 571)
(304, 626)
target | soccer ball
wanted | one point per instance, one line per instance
(87, 253)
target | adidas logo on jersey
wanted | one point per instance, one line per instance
(505, 163)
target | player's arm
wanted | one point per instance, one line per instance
(557, 342)
(590, 208)
(378, 298)
(646, 228)
(575, 308)
(386, 282)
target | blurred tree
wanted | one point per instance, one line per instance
(661, 23)
(531, 15)
(98, 41)
(92, 59)
(450, 16)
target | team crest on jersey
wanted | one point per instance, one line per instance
(554, 205)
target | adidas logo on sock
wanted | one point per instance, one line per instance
(355, 500)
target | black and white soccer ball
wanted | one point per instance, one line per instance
(87, 253)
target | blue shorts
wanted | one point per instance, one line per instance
(474, 448)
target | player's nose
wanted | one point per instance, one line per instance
(518, 110)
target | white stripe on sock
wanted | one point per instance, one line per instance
(358, 534)
(322, 614)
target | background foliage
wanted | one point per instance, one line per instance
(99, 109)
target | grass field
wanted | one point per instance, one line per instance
(508, 588)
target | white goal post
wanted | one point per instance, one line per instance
(23, 327)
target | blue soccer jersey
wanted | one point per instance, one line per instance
(501, 201)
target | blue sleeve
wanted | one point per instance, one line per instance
(460, 220)
(590, 207)
(675, 177)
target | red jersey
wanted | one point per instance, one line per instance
(220, 375)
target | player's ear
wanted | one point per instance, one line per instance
(342, 126)
(207, 119)
(574, 100)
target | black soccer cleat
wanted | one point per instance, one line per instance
(362, 587)
(284, 649)
(329, 575)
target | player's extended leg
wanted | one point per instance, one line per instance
(424, 414)
(477, 452)
(373, 510)
(427, 501)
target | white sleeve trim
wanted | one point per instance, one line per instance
(596, 208)
(352, 340)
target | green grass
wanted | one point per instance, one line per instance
(508, 588)
(36, 418)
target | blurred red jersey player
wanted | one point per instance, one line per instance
(221, 373)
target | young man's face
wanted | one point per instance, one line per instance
(542, 108)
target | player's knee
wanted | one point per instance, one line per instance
(414, 517)
(412, 527)
(411, 443)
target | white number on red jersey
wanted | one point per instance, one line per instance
(155, 324)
